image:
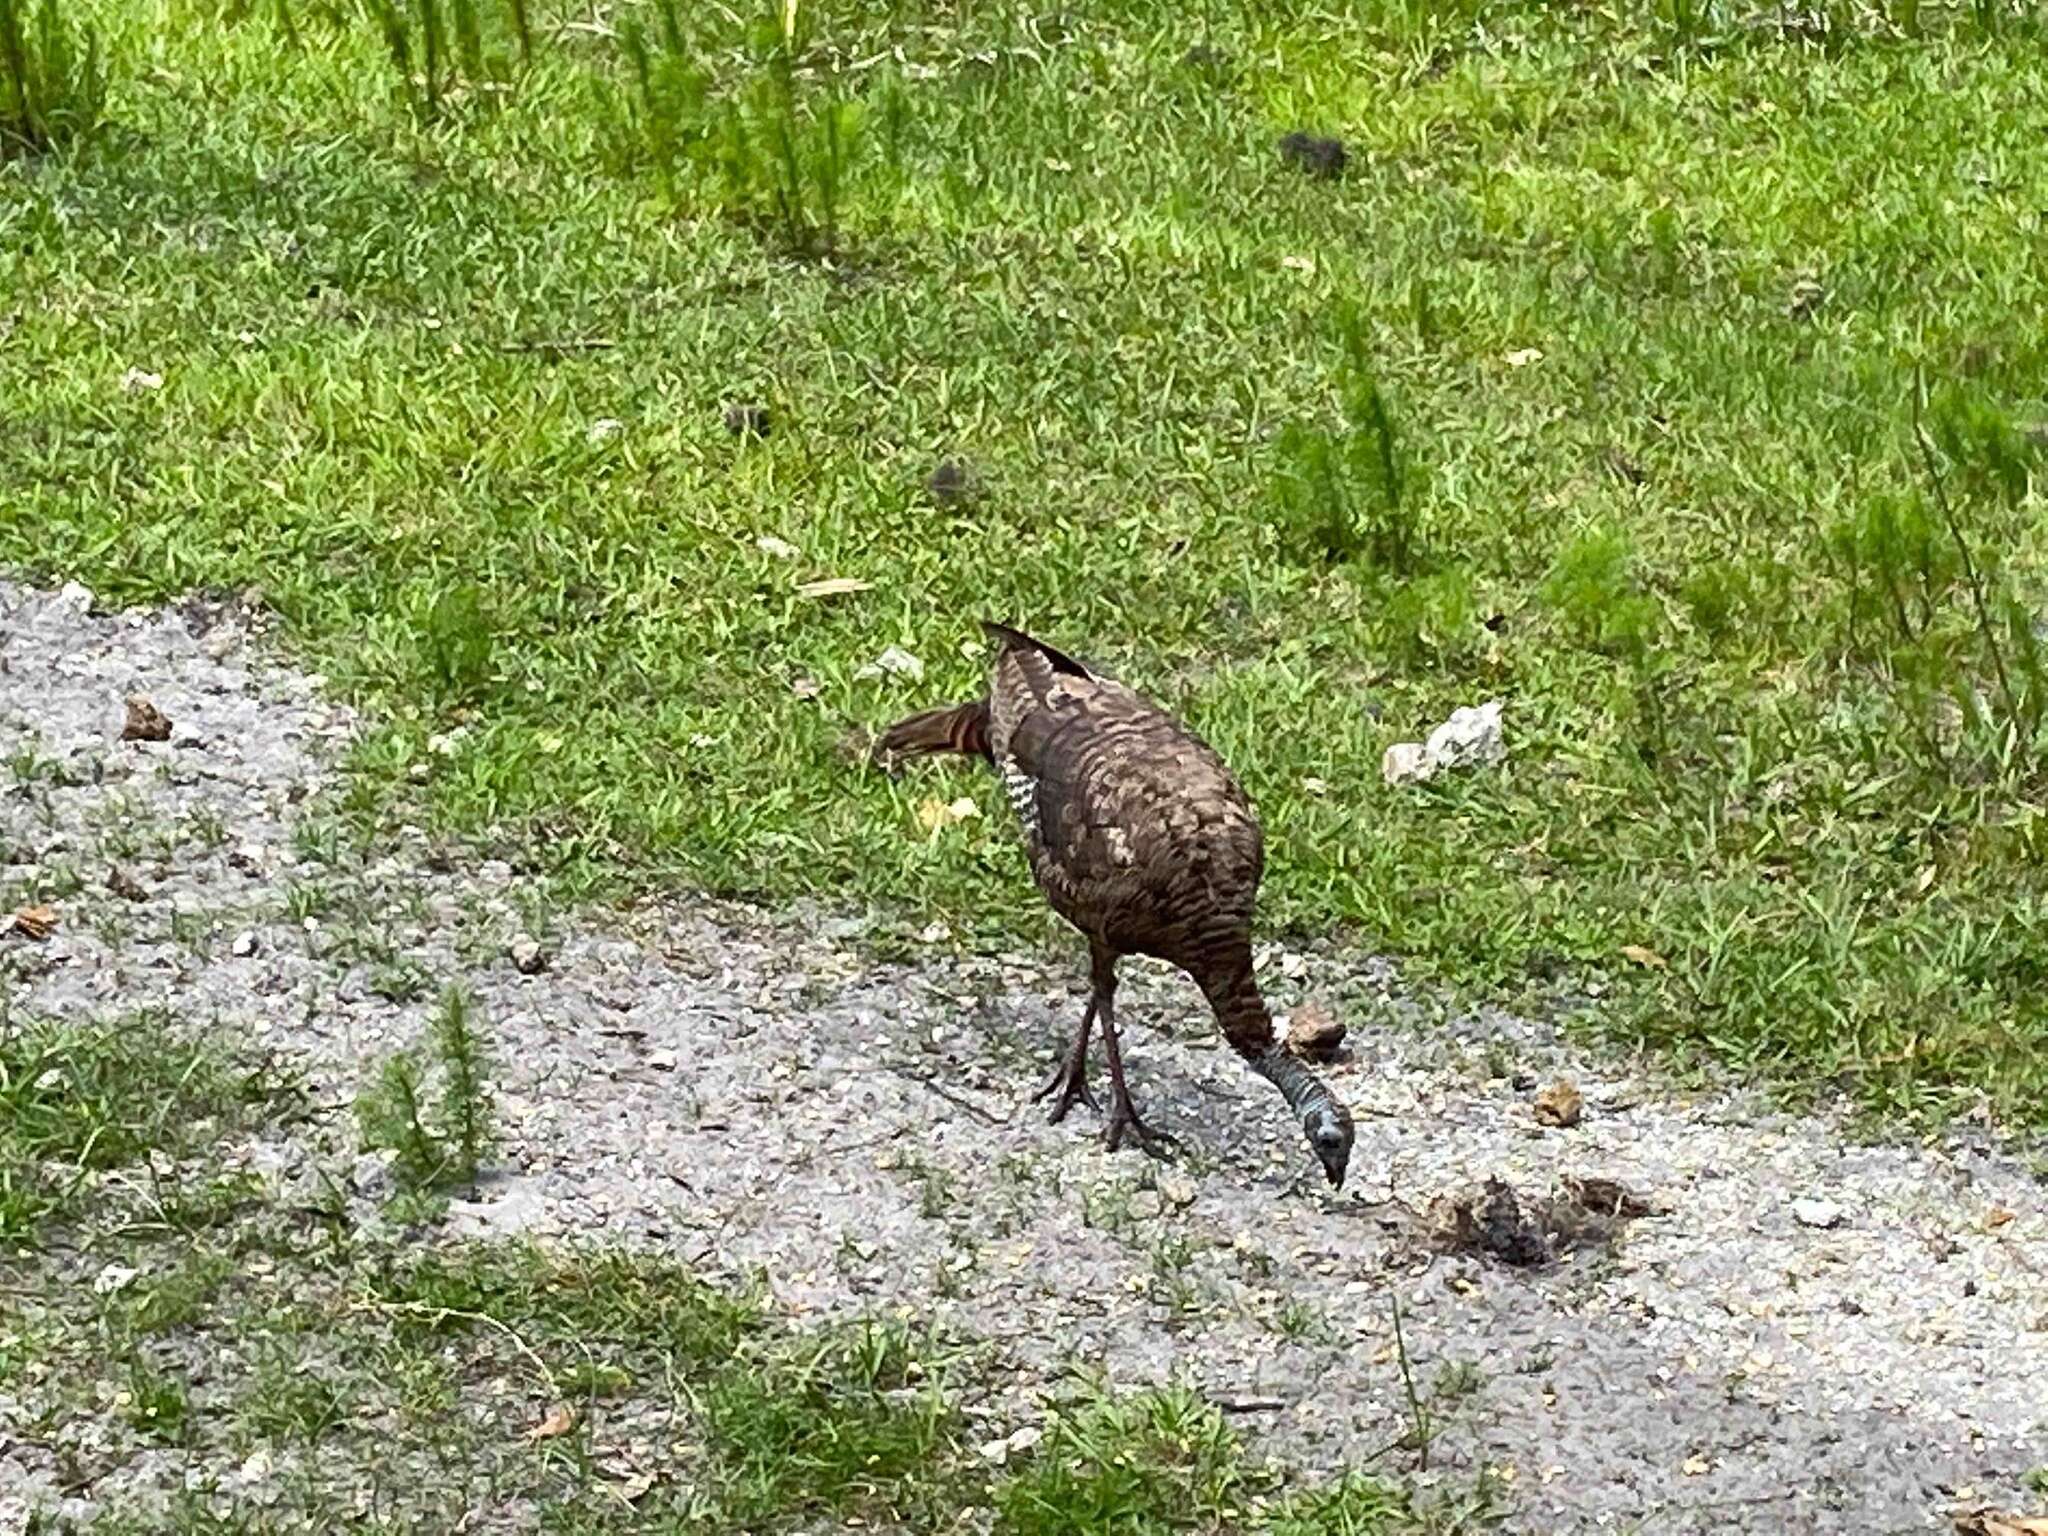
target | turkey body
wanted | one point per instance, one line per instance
(1138, 834)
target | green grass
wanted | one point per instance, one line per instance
(1591, 385)
(77, 1100)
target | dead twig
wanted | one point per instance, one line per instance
(1971, 577)
(560, 345)
(1250, 1404)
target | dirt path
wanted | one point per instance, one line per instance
(752, 1091)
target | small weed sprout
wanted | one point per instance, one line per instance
(457, 636)
(441, 1146)
(1596, 590)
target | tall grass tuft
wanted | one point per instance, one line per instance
(1346, 494)
(445, 48)
(53, 79)
(773, 148)
(1931, 609)
(439, 1144)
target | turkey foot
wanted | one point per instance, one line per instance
(1123, 1114)
(1123, 1120)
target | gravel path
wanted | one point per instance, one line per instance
(753, 1091)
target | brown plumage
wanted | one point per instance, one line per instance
(1140, 837)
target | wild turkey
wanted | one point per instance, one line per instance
(1138, 836)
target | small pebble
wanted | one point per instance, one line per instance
(1823, 1214)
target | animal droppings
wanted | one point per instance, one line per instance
(1323, 159)
(145, 722)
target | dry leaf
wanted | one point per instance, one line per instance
(1524, 357)
(559, 1421)
(1998, 1216)
(1560, 1104)
(1314, 1031)
(633, 1488)
(145, 721)
(1645, 957)
(1989, 1522)
(35, 922)
(934, 814)
(833, 586)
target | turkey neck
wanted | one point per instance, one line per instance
(1248, 1025)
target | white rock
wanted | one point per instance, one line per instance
(781, 549)
(605, 428)
(894, 662)
(662, 1061)
(112, 1278)
(1470, 738)
(137, 378)
(1407, 762)
(1817, 1213)
(244, 945)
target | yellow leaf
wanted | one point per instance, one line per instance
(934, 814)
(1645, 957)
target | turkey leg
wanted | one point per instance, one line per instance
(1123, 1114)
(1070, 1073)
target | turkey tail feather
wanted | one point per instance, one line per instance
(961, 728)
(1058, 660)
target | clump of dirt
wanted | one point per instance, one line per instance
(1583, 1212)
(1323, 159)
(1560, 1105)
(953, 485)
(1491, 1221)
(747, 418)
(1315, 1033)
(145, 721)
